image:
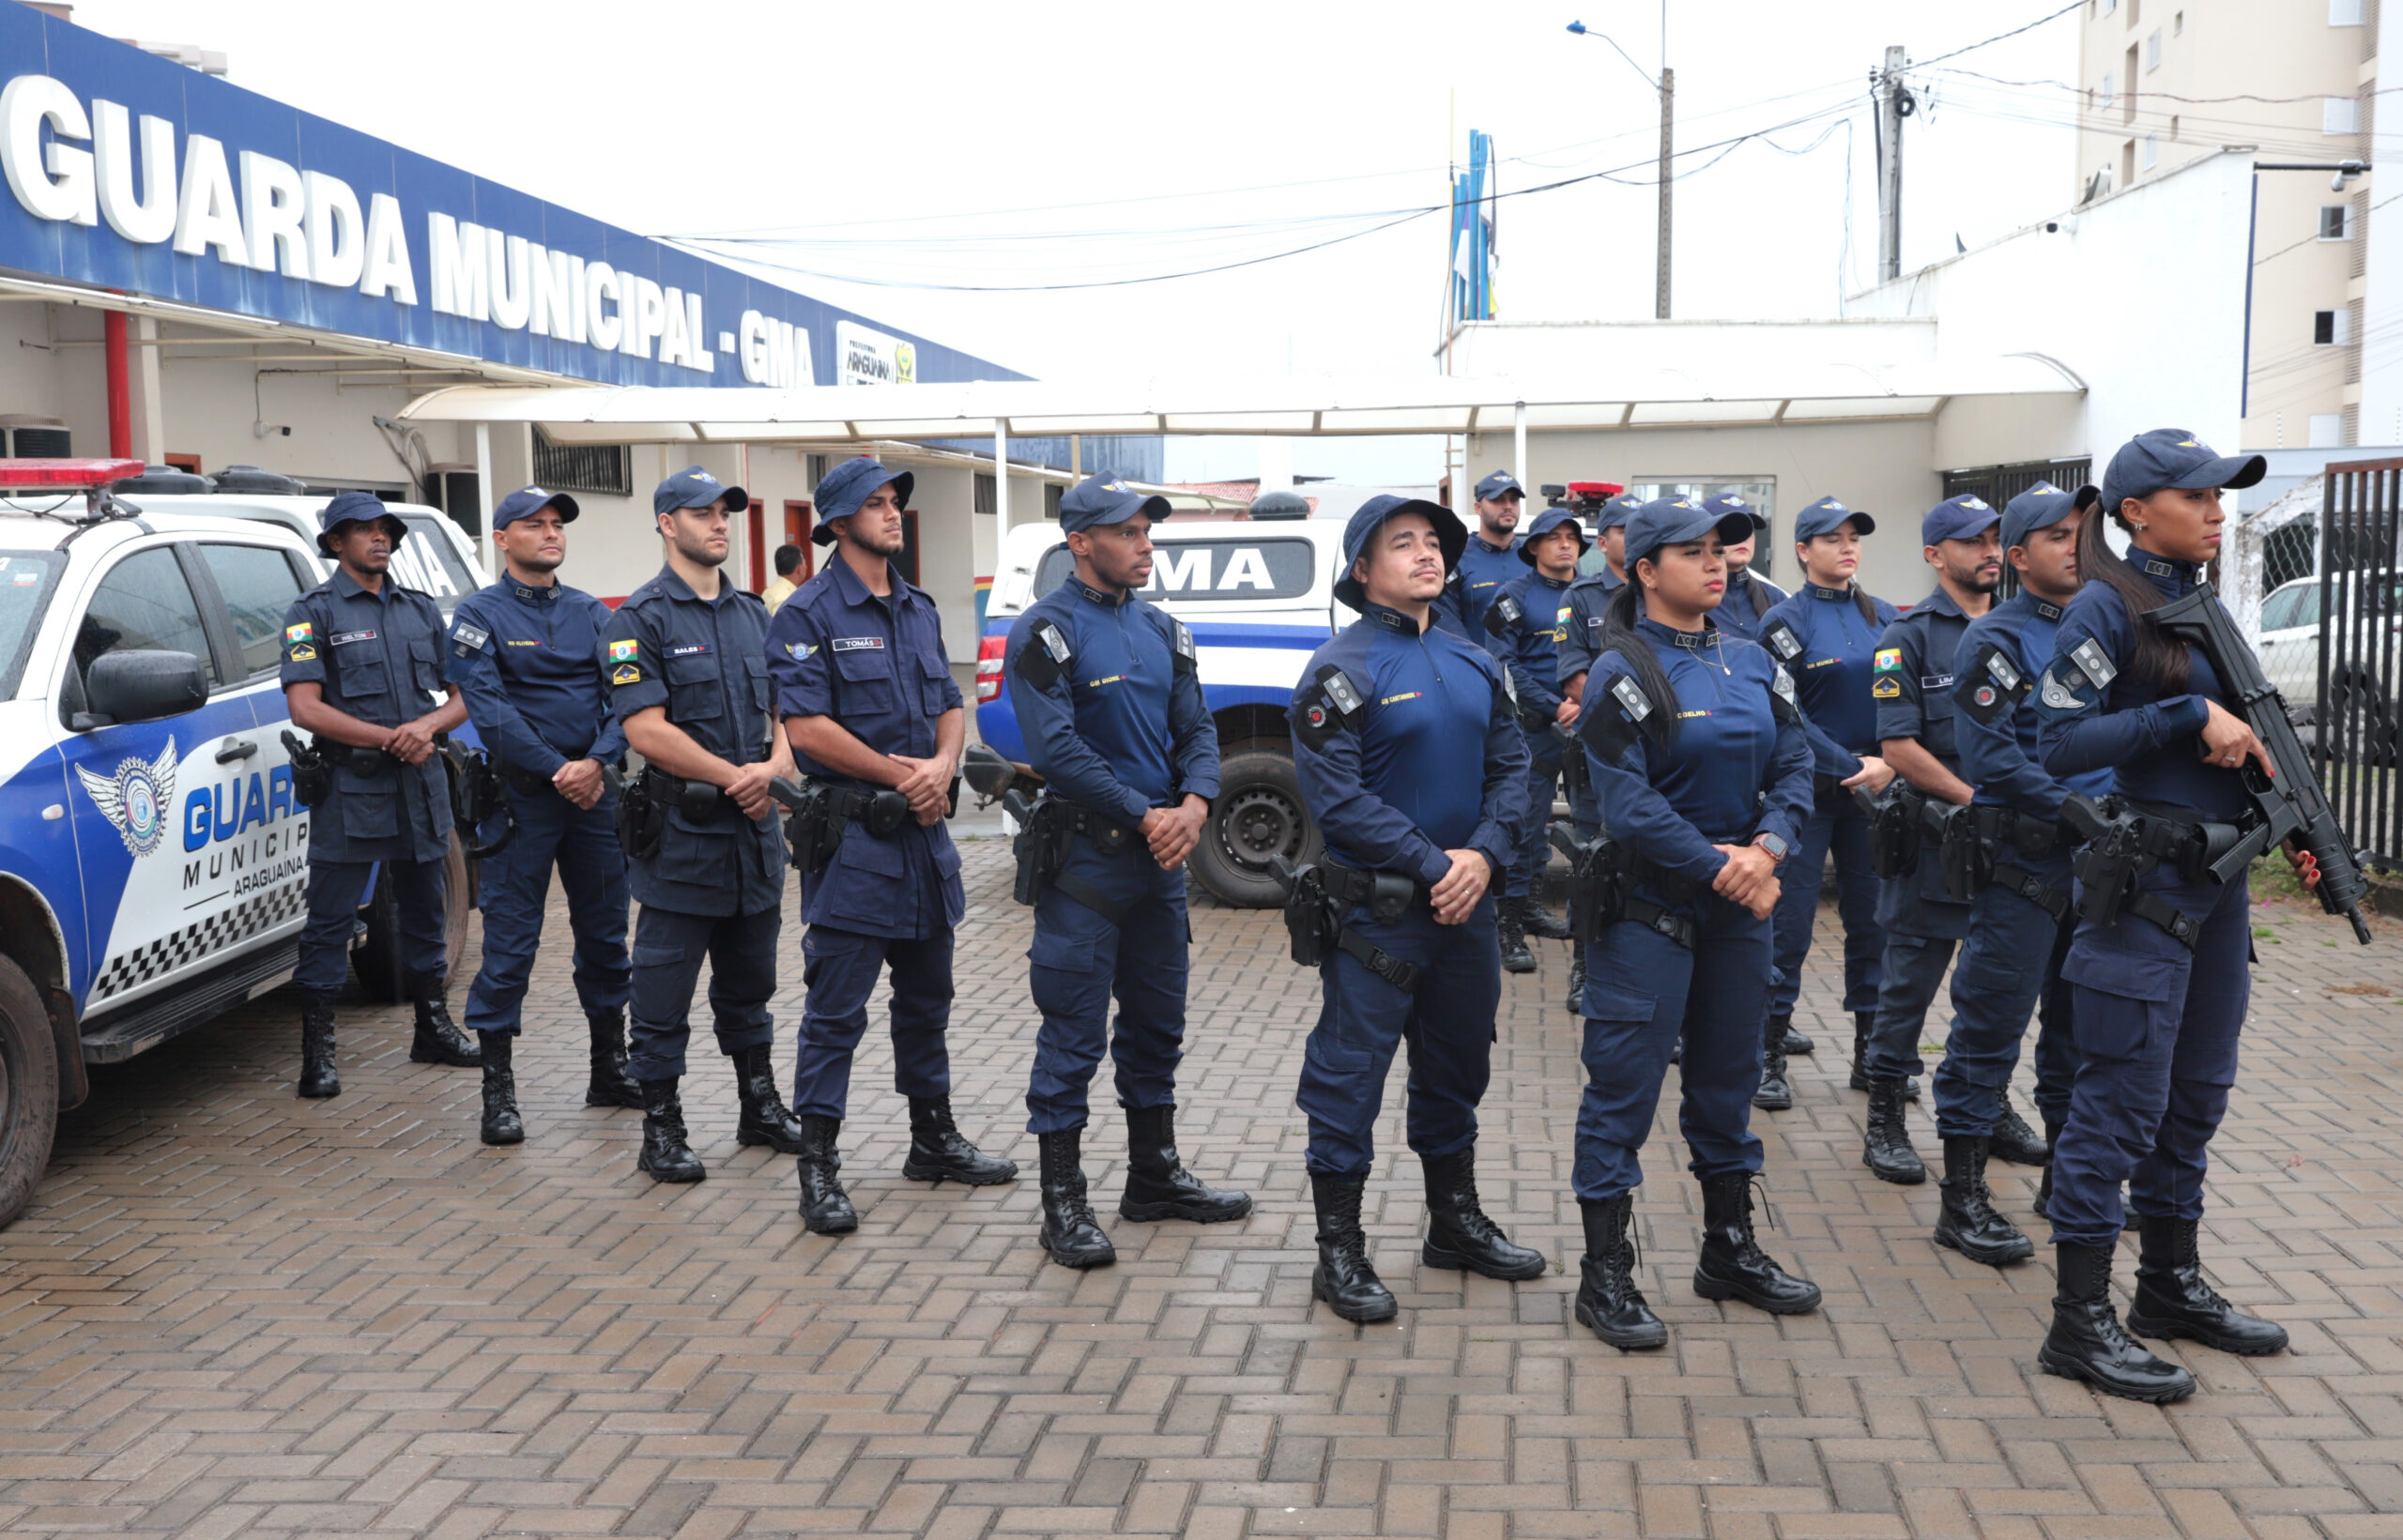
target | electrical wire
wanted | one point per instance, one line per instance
(2055, 16)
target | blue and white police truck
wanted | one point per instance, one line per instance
(1258, 595)
(153, 860)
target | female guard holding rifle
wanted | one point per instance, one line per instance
(1700, 761)
(2161, 987)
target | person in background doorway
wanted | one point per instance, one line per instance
(788, 564)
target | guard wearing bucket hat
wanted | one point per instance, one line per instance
(1524, 626)
(1700, 759)
(688, 679)
(1417, 831)
(866, 696)
(526, 655)
(1107, 695)
(362, 670)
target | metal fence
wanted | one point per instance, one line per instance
(1999, 485)
(2356, 711)
(583, 467)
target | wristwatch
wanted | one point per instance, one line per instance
(1774, 844)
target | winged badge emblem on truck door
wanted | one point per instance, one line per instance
(136, 798)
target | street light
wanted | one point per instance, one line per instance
(1667, 86)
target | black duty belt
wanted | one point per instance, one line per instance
(1104, 832)
(1651, 916)
(1388, 896)
(2053, 901)
(2000, 827)
(853, 805)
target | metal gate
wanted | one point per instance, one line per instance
(2359, 643)
(1999, 485)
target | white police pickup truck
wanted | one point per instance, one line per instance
(153, 860)
(1259, 597)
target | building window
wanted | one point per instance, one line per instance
(988, 499)
(2340, 114)
(2135, 11)
(2153, 52)
(2332, 327)
(816, 463)
(2110, 7)
(607, 469)
(2110, 88)
(2152, 151)
(2336, 221)
(2128, 107)
(2128, 163)
(2327, 430)
(2177, 25)
(2343, 12)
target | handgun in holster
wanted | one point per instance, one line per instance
(312, 772)
(1310, 920)
(1041, 844)
(1597, 874)
(1897, 816)
(477, 796)
(642, 816)
(1575, 773)
(1966, 854)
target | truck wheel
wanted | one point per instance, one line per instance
(378, 959)
(1257, 816)
(29, 1091)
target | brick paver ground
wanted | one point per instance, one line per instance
(232, 1312)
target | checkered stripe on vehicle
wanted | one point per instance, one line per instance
(195, 942)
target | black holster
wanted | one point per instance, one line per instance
(1041, 844)
(1312, 924)
(477, 796)
(642, 816)
(313, 773)
(1896, 817)
(1598, 872)
(815, 830)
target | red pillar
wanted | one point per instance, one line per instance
(120, 386)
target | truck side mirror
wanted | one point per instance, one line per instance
(140, 687)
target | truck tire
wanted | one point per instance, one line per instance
(1258, 815)
(29, 1091)
(378, 959)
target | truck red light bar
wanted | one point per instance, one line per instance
(1594, 489)
(65, 474)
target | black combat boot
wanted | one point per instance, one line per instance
(1798, 1045)
(1459, 1235)
(1158, 1184)
(1071, 1235)
(1732, 1266)
(2172, 1300)
(2011, 1139)
(1343, 1277)
(764, 1118)
(1577, 981)
(502, 1125)
(2087, 1343)
(1775, 1093)
(1541, 922)
(825, 1208)
(938, 1152)
(1861, 1022)
(610, 1085)
(438, 1039)
(2044, 1188)
(1516, 958)
(664, 1155)
(1886, 1149)
(318, 1076)
(1608, 1301)
(1968, 1222)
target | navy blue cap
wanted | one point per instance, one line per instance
(358, 508)
(841, 491)
(1107, 499)
(1826, 516)
(528, 501)
(1545, 522)
(1499, 484)
(1618, 511)
(1450, 534)
(2172, 457)
(1728, 502)
(1671, 521)
(1964, 517)
(693, 487)
(2040, 507)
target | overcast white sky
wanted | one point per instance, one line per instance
(934, 142)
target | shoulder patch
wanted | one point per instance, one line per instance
(1782, 643)
(624, 649)
(2094, 664)
(1330, 704)
(2058, 697)
(467, 640)
(1888, 659)
(1503, 615)
(1886, 689)
(625, 674)
(1613, 723)
(1046, 654)
(1993, 686)
(1184, 658)
(1782, 697)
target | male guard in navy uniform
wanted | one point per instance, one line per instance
(526, 656)
(864, 693)
(688, 678)
(362, 670)
(1491, 560)
(1110, 703)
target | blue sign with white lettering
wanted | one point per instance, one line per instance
(131, 173)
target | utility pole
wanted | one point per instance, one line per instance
(1668, 117)
(1894, 103)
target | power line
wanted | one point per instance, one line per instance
(1999, 36)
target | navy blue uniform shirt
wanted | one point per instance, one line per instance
(1484, 574)
(1581, 634)
(705, 661)
(2092, 714)
(1999, 754)
(876, 668)
(1835, 648)
(1738, 766)
(376, 657)
(1750, 598)
(1912, 679)
(1118, 723)
(1387, 778)
(1531, 650)
(527, 662)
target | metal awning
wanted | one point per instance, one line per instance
(1823, 393)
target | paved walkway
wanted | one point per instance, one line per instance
(231, 1311)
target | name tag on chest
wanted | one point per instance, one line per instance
(858, 643)
(344, 638)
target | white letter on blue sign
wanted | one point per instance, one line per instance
(388, 252)
(273, 207)
(337, 242)
(63, 191)
(150, 219)
(204, 214)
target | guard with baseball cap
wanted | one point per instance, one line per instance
(1524, 628)
(1750, 596)
(686, 655)
(1912, 682)
(363, 671)
(864, 695)
(1489, 561)
(1109, 700)
(1580, 644)
(526, 655)
(2020, 917)
(1417, 833)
